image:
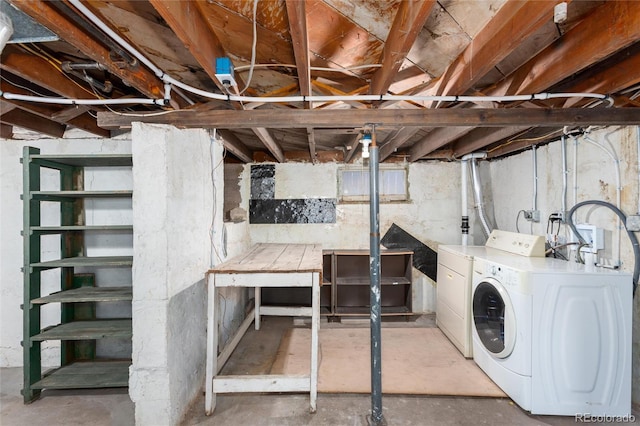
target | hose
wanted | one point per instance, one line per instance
(623, 218)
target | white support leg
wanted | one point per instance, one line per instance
(315, 329)
(257, 302)
(212, 346)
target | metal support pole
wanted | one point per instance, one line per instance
(376, 417)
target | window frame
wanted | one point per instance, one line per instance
(364, 198)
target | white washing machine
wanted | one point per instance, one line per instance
(553, 335)
(454, 280)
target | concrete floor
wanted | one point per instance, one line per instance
(254, 355)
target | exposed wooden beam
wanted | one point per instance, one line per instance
(436, 139)
(20, 118)
(270, 143)
(235, 146)
(44, 13)
(396, 140)
(81, 121)
(312, 145)
(6, 131)
(407, 24)
(384, 118)
(351, 148)
(297, 15)
(514, 22)
(41, 72)
(330, 90)
(482, 137)
(608, 29)
(186, 21)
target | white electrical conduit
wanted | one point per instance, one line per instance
(565, 172)
(638, 149)
(464, 180)
(611, 154)
(534, 158)
(228, 97)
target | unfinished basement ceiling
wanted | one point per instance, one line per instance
(333, 48)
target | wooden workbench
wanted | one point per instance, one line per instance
(264, 265)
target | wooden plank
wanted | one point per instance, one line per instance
(407, 24)
(436, 139)
(87, 294)
(263, 279)
(589, 42)
(261, 383)
(86, 375)
(479, 138)
(79, 330)
(311, 258)
(396, 140)
(233, 343)
(273, 146)
(384, 118)
(28, 120)
(46, 14)
(70, 262)
(297, 15)
(234, 145)
(286, 311)
(493, 43)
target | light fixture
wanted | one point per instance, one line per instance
(6, 30)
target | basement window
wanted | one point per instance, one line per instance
(353, 184)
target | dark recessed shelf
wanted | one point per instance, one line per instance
(85, 330)
(99, 160)
(88, 294)
(73, 228)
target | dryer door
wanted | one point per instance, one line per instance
(494, 318)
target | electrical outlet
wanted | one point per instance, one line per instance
(532, 215)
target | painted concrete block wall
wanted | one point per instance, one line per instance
(511, 189)
(11, 240)
(432, 215)
(174, 209)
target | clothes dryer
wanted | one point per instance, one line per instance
(553, 335)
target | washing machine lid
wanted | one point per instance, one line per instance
(493, 318)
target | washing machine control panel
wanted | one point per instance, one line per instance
(507, 276)
(513, 242)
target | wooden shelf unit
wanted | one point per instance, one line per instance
(79, 328)
(345, 284)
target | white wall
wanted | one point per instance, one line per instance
(432, 215)
(11, 252)
(511, 187)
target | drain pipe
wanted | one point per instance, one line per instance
(376, 418)
(565, 172)
(534, 158)
(477, 195)
(464, 181)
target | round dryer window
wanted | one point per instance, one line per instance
(493, 318)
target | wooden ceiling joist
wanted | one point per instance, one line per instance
(27, 120)
(269, 142)
(493, 43)
(47, 15)
(235, 146)
(386, 118)
(435, 140)
(478, 139)
(395, 141)
(407, 24)
(296, 12)
(608, 29)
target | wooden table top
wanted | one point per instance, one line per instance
(267, 258)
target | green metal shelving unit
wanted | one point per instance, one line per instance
(79, 328)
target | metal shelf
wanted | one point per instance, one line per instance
(87, 294)
(100, 160)
(71, 262)
(86, 330)
(87, 375)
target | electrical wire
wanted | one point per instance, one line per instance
(517, 219)
(253, 47)
(632, 237)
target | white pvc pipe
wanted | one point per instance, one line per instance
(65, 101)
(638, 149)
(464, 181)
(168, 79)
(563, 148)
(575, 170)
(534, 157)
